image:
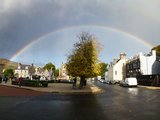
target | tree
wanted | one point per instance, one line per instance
(157, 48)
(49, 66)
(103, 69)
(8, 73)
(83, 60)
(56, 73)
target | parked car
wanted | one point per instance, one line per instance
(111, 82)
(105, 82)
(129, 82)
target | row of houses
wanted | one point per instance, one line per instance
(28, 71)
(138, 65)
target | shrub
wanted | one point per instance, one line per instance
(31, 83)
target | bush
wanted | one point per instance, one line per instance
(31, 83)
(44, 83)
(51, 81)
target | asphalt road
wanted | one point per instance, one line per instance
(116, 103)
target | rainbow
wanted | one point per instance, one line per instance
(34, 41)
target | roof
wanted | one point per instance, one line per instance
(23, 67)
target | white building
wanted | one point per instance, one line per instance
(22, 71)
(39, 71)
(116, 70)
(143, 64)
(44, 74)
(30, 70)
(63, 73)
(106, 76)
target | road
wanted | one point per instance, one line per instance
(116, 103)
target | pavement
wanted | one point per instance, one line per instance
(62, 88)
(117, 103)
(150, 87)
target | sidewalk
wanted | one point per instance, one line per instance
(62, 88)
(149, 87)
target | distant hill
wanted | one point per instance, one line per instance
(7, 64)
(157, 48)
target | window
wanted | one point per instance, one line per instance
(115, 72)
(128, 66)
(134, 65)
(27, 67)
(138, 64)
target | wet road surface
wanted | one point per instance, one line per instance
(117, 103)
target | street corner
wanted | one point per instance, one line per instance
(89, 89)
(96, 90)
(6, 90)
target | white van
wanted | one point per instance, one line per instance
(130, 82)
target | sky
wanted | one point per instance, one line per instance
(42, 31)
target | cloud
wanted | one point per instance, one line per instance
(9, 9)
(22, 21)
(105, 12)
(9, 5)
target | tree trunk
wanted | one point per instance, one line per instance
(82, 82)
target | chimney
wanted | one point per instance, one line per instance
(32, 65)
(123, 55)
(153, 52)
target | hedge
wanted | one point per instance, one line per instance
(31, 83)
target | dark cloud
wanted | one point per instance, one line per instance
(23, 21)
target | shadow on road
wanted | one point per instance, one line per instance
(52, 107)
(86, 107)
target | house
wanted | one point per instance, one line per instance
(30, 71)
(63, 73)
(116, 70)
(39, 71)
(46, 74)
(22, 71)
(143, 64)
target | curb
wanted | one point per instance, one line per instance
(149, 87)
(93, 90)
